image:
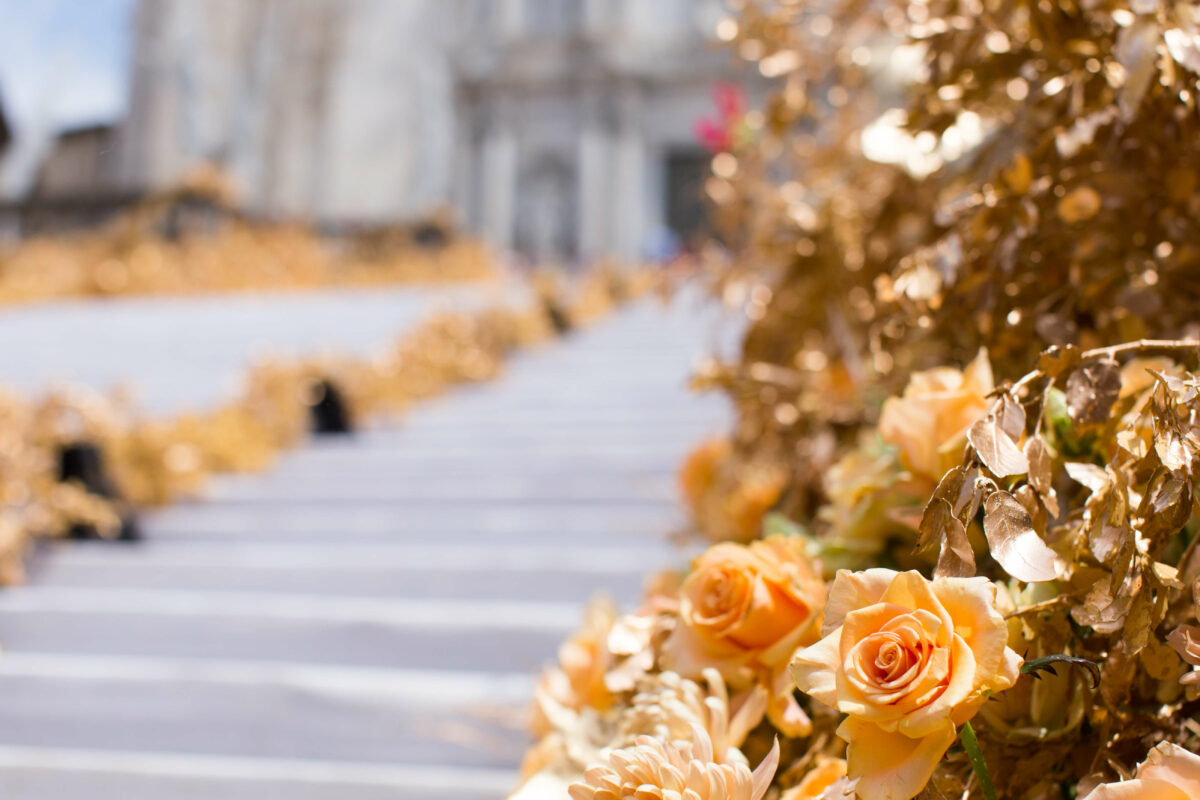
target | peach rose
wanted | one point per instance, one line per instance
(907, 659)
(929, 421)
(1168, 773)
(745, 609)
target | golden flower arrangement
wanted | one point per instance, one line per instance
(972, 360)
(149, 462)
(1077, 479)
(192, 240)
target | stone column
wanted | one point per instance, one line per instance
(629, 197)
(466, 186)
(499, 175)
(595, 180)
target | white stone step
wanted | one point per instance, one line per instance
(485, 573)
(550, 524)
(37, 773)
(235, 708)
(352, 631)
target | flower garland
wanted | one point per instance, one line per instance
(192, 240)
(134, 463)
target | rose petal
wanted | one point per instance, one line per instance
(854, 590)
(814, 669)
(911, 590)
(925, 719)
(892, 766)
(1170, 762)
(1138, 790)
(971, 603)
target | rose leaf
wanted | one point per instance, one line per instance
(1015, 544)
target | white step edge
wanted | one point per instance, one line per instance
(376, 557)
(407, 614)
(405, 688)
(232, 768)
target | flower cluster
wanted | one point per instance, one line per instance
(906, 659)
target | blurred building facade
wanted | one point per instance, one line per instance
(328, 109)
(574, 122)
(560, 129)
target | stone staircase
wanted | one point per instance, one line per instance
(367, 619)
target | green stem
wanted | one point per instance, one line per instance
(971, 745)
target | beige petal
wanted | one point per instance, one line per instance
(925, 720)
(892, 766)
(911, 590)
(1172, 763)
(854, 590)
(971, 603)
(1138, 790)
(814, 669)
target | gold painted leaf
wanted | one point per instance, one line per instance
(1092, 389)
(1040, 477)
(1166, 506)
(995, 439)
(1137, 51)
(1185, 640)
(1174, 449)
(1057, 360)
(1015, 544)
(1091, 476)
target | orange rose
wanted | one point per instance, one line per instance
(907, 660)
(1168, 773)
(745, 609)
(929, 422)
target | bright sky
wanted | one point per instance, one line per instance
(62, 63)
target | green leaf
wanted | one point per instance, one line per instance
(1047, 663)
(776, 524)
(975, 755)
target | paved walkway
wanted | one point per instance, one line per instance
(365, 621)
(191, 352)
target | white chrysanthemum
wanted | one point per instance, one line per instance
(668, 706)
(681, 770)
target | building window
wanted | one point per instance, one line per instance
(552, 17)
(686, 213)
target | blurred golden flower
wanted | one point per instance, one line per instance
(1168, 773)
(907, 659)
(655, 770)
(728, 498)
(698, 473)
(929, 422)
(583, 659)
